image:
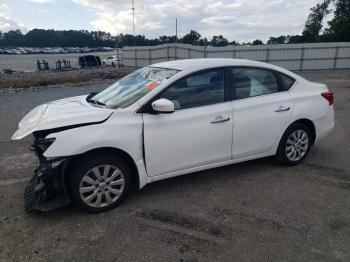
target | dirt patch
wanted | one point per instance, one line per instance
(33, 79)
(192, 223)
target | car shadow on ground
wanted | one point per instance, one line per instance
(198, 179)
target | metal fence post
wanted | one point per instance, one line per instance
(167, 52)
(205, 49)
(302, 58)
(234, 53)
(135, 54)
(267, 54)
(175, 53)
(335, 58)
(189, 53)
(149, 56)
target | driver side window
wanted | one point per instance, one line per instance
(199, 89)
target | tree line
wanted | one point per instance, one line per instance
(336, 30)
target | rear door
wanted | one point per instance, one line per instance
(261, 110)
(198, 133)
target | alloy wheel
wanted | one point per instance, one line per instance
(297, 145)
(102, 185)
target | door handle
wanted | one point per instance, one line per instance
(219, 119)
(282, 109)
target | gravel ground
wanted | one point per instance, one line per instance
(21, 80)
(253, 211)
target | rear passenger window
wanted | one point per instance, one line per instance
(250, 82)
(287, 82)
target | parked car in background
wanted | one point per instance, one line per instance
(86, 50)
(52, 50)
(170, 119)
(104, 49)
(111, 61)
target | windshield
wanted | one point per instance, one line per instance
(132, 87)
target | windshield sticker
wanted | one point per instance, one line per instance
(151, 84)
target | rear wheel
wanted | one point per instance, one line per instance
(294, 145)
(99, 183)
(113, 64)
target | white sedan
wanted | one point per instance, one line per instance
(166, 120)
(111, 61)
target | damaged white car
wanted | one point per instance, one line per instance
(166, 120)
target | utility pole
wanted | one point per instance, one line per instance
(176, 31)
(133, 20)
(133, 28)
(175, 38)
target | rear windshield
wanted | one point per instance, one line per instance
(134, 86)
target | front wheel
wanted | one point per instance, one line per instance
(99, 183)
(294, 145)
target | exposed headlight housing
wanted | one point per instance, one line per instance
(41, 144)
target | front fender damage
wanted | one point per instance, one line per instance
(46, 190)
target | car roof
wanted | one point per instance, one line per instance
(184, 64)
(203, 63)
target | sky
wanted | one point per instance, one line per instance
(239, 20)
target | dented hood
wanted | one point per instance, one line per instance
(60, 113)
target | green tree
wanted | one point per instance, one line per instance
(313, 24)
(219, 41)
(191, 38)
(12, 38)
(295, 39)
(277, 40)
(203, 41)
(339, 26)
(257, 42)
(164, 39)
(233, 43)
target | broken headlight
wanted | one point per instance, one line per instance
(41, 144)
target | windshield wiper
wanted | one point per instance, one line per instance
(95, 102)
(88, 99)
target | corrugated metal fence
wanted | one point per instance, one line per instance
(295, 57)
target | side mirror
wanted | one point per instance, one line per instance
(163, 106)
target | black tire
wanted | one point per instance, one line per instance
(87, 163)
(281, 155)
(113, 64)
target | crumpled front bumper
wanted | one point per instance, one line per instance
(46, 190)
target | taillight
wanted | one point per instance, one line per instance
(329, 96)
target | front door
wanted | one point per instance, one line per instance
(198, 133)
